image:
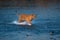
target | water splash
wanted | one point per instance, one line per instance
(22, 23)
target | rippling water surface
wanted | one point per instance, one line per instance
(46, 26)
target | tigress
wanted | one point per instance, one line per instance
(26, 17)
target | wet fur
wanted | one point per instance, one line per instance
(26, 17)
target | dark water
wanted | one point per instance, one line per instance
(47, 21)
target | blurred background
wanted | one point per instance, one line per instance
(46, 25)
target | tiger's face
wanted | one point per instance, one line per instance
(32, 16)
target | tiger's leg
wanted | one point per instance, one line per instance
(19, 20)
(28, 21)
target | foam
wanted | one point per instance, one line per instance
(22, 23)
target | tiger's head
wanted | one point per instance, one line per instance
(32, 16)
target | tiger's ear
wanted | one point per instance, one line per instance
(32, 14)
